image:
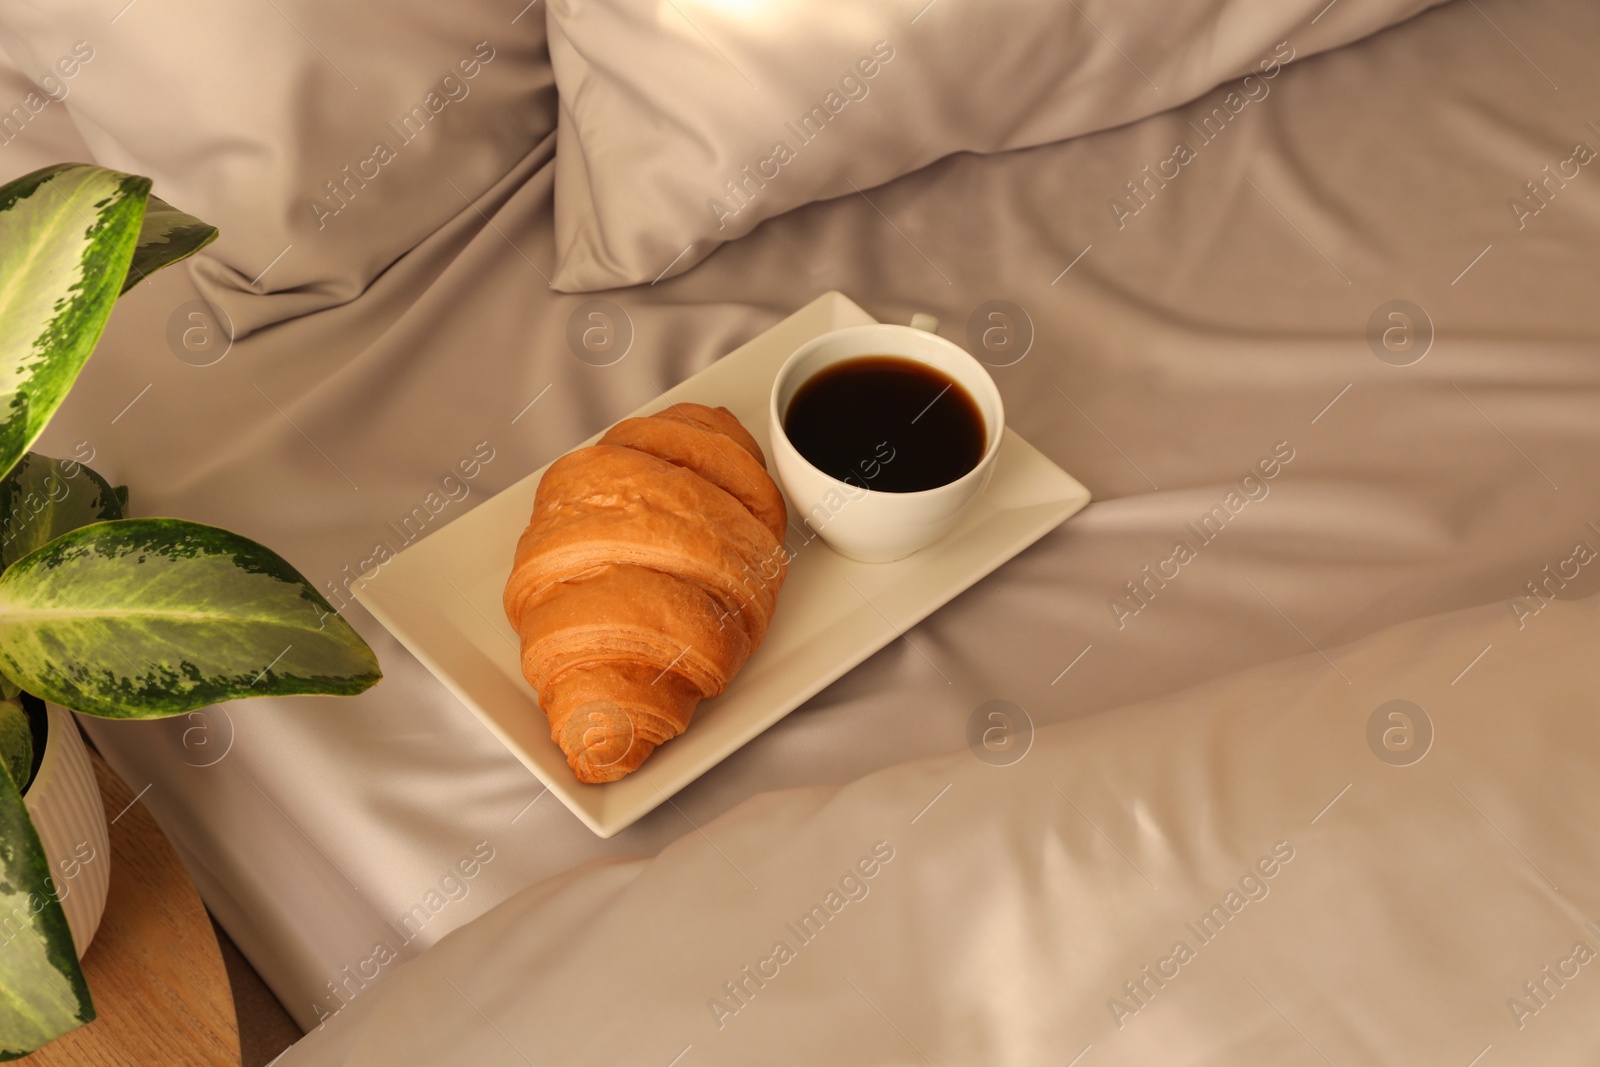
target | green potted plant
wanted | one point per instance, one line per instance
(100, 613)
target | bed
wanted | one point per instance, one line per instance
(1194, 724)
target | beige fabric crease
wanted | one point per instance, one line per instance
(1226, 875)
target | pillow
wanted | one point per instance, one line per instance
(684, 124)
(322, 140)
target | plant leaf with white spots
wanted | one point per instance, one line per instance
(144, 618)
(67, 234)
(165, 236)
(43, 498)
(16, 744)
(42, 991)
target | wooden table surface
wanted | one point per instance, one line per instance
(154, 969)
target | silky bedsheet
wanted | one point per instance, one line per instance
(1229, 875)
(1180, 337)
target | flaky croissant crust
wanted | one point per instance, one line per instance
(647, 575)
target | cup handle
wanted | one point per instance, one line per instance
(924, 322)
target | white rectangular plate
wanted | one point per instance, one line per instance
(441, 596)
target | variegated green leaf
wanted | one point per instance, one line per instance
(67, 234)
(142, 618)
(42, 991)
(166, 236)
(43, 498)
(16, 741)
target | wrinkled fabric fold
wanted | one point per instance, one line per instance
(1237, 873)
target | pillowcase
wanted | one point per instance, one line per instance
(323, 140)
(684, 124)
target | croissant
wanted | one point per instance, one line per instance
(647, 575)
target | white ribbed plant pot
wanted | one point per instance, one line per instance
(64, 803)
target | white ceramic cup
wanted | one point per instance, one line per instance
(862, 523)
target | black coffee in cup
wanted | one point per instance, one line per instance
(886, 423)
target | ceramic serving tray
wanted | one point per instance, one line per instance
(441, 596)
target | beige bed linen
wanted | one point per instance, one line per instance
(685, 125)
(1175, 349)
(324, 140)
(1224, 876)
